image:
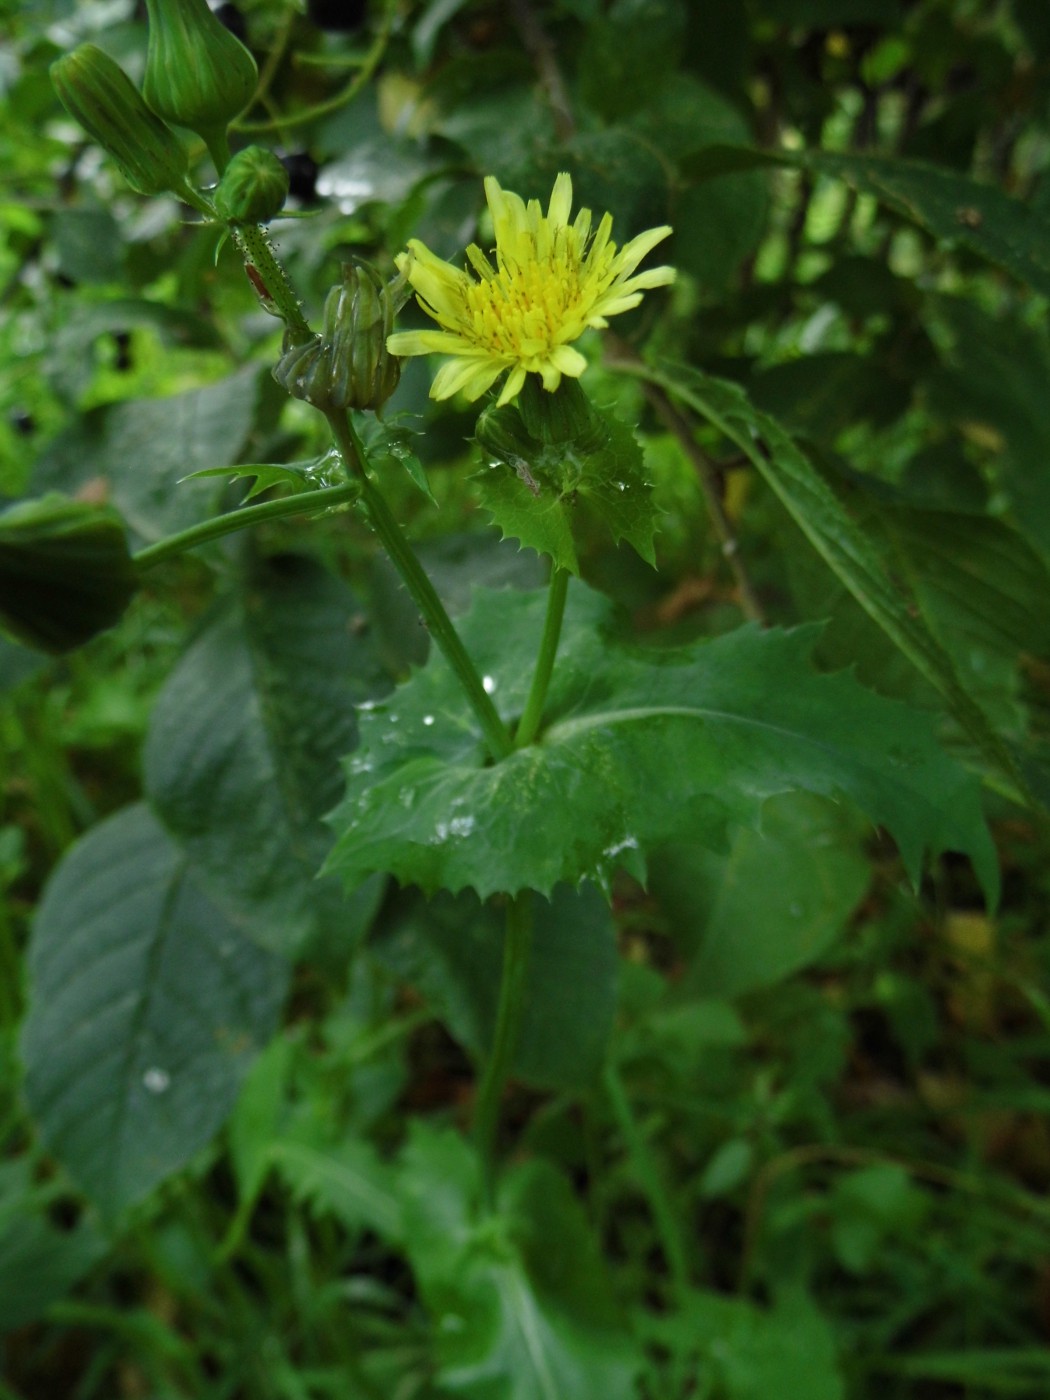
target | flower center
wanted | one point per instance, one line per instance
(532, 303)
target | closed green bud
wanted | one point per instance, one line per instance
(198, 75)
(501, 433)
(65, 572)
(348, 364)
(253, 187)
(563, 418)
(98, 93)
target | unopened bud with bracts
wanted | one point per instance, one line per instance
(96, 91)
(563, 418)
(348, 364)
(501, 433)
(253, 187)
(198, 75)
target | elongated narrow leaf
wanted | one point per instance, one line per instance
(243, 748)
(146, 1008)
(952, 207)
(837, 537)
(638, 747)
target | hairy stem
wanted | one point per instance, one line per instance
(541, 677)
(300, 504)
(516, 948)
(270, 280)
(414, 577)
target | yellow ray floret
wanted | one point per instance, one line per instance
(552, 280)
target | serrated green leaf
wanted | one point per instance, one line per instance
(846, 548)
(638, 748)
(242, 754)
(529, 508)
(146, 1007)
(349, 1182)
(301, 476)
(540, 502)
(519, 1300)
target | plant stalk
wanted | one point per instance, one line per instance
(647, 1174)
(532, 714)
(422, 591)
(517, 945)
(241, 519)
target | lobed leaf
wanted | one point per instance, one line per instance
(637, 747)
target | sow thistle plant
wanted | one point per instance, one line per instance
(493, 768)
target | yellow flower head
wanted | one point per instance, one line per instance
(551, 281)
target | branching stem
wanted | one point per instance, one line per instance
(300, 504)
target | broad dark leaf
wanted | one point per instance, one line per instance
(146, 1008)
(242, 754)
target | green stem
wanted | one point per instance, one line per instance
(516, 947)
(241, 519)
(647, 1174)
(277, 293)
(404, 559)
(541, 677)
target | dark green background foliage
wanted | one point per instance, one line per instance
(777, 1124)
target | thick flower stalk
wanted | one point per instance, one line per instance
(552, 281)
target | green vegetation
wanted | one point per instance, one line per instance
(523, 773)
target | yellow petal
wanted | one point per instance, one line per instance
(561, 200)
(472, 376)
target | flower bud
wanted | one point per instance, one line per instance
(348, 364)
(253, 187)
(98, 93)
(564, 418)
(197, 74)
(65, 571)
(501, 432)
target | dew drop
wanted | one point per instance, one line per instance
(156, 1081)
(488, 684)
(428, 720)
